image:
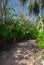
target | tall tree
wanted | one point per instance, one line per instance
(43, 4)
(3, 9)
(36, 8)
(23, 1)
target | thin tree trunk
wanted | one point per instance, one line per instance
(4, 7)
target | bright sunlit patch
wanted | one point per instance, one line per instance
(43, 62)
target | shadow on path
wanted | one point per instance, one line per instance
(21, 53)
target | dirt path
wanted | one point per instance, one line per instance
(25, 53)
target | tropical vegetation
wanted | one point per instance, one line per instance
(20, 28)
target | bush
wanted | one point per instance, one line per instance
(23, 30)
(40, 38)
(32, 32)
(5, 34)
(18, 30)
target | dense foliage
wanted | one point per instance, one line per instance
(17, 30)
(21, 28)
(40, 38)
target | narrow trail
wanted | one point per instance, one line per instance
(22, 54)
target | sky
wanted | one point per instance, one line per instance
(15, 4)
(19, 9)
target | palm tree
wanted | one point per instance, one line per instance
(42, 3)
(23, 2)
(36, 8)
(30, 7)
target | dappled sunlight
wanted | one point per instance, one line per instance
(25, 43)
(21, 32)
(22, 55)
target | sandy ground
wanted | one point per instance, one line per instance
(24, 53)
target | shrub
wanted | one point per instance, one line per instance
(40, 38)
(33, 32)
(5, 34)
(19, 30)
